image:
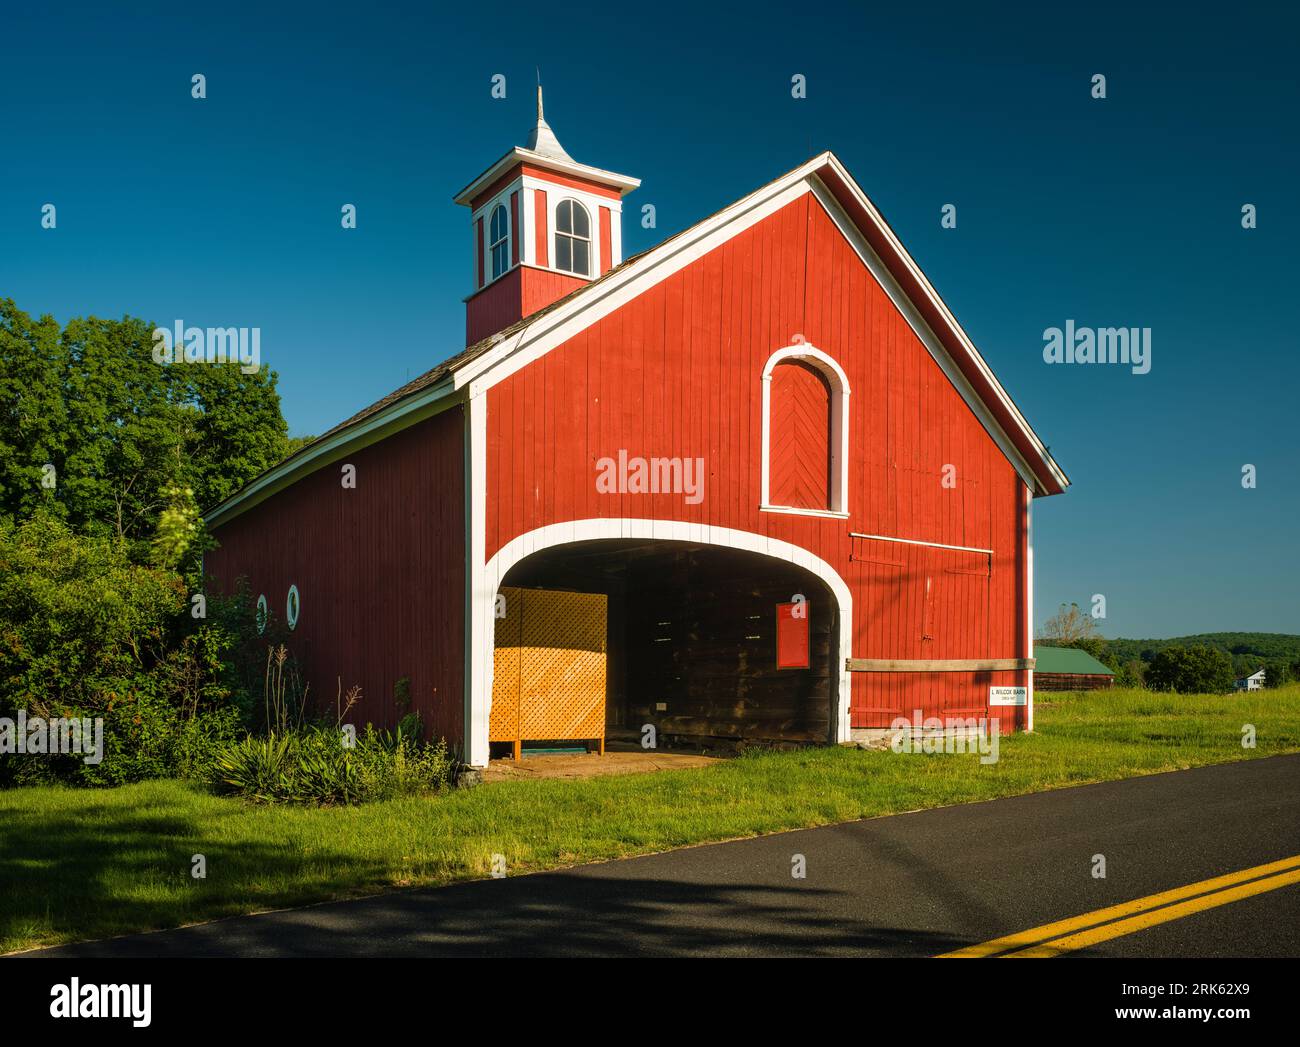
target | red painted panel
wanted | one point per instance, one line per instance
(540, 222)
(380, 569)
(800, 437)
(606, 241)
(677, 372)
(544, 175)
(519, 293)
(572, 182)
(478, 249)
(514, 228)
(485, 195)
(541, 287)
(494, 307)
(792, 635)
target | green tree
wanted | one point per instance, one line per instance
(1191, 670)
(294, 444)
(121, 429)
(1131, 673)
(124, 445)
(33, 424)
(178, 527)
(1276, 672)
(231, 426)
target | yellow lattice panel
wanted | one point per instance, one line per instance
(562, 665)
(503, 721)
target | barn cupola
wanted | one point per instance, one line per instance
(541, 225)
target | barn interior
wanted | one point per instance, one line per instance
(692, 642)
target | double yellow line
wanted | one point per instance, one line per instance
(1079, 932)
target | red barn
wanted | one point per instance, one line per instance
(767, 441)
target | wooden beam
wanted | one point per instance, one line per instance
(936, 665)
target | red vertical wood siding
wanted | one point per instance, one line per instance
(519, 293)
(540, 221)
(800, 437)
(677, 372)
(380, 570)
(478, 249)
(606, 241)
(515, 231)
(541, 287)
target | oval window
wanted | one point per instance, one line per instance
(291, 607)
(261, 615)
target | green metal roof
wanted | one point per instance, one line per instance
(1067, 660)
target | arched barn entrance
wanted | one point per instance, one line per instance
(700, 641)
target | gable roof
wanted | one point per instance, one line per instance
(1070, 661)
(495, 357)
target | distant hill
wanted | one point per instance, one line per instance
(1271, 646)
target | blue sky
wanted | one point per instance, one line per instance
(1122, 212)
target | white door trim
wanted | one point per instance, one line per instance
(488, 580)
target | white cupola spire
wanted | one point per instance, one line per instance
(541, 139)
(541, 225)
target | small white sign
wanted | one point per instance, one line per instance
(1008, 696)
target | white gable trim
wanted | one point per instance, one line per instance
(536, 339)
(556, 327)
(382, 424)
(489, 579)
(922, 330)
(928, 288)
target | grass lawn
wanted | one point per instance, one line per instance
(79, 864)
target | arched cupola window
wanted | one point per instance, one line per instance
(572, 238)
(499, 240)
(805, 433)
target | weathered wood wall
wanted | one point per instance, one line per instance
(700, 637)
(1072, 681)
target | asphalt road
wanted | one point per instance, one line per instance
(908, 885)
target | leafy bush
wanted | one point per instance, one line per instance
(1131, 674)
(86, 633)
(313, 765)
(1191, 670)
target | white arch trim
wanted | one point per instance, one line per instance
(839, 383)
(490, 578)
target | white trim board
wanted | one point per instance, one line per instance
(951, 321)
(877, 268)
(552, 329)
(396, 416)
(917, 541)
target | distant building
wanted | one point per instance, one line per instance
(1253, 682)
(1068, 669)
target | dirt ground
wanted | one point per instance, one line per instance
(591, 765)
